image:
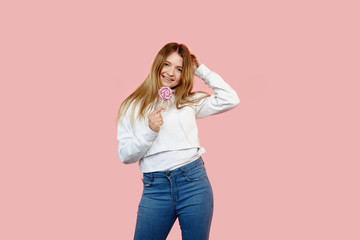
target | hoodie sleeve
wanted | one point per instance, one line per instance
(224, 99)
(133, 141)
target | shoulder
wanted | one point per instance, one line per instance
(129, 112)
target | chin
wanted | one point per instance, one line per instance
(165, 84)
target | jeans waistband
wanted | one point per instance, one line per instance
(184, 169)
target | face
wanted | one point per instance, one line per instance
(170, 74)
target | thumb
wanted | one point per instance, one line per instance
(159, 109)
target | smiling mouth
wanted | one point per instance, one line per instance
(168, 79)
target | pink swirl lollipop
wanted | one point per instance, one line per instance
(165, 93)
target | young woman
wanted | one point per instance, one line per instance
(163, 138)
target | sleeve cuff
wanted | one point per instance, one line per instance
(202, 71)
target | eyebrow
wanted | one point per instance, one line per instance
(176, 66)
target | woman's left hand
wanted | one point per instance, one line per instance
(195, 60)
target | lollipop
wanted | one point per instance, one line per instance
(165, 93)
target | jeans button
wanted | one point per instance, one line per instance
(168, 174)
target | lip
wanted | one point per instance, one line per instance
(169, 80)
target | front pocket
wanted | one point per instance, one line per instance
(196, 174)
(146, 182)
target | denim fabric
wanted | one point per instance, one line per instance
(183, 193)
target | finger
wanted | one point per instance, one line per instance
(158, 119)
(158, 110)
(155, 116)
(155, 111)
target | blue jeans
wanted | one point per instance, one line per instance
(183, 193)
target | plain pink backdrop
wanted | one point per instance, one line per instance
(283, 165)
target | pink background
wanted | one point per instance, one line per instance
(283, 165)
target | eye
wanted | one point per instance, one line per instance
(166, 64)
(180, 70)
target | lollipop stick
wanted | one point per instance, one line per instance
(162, 100)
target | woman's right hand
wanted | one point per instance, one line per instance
(155, 119)
(195, 61)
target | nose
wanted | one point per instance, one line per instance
(171, 71)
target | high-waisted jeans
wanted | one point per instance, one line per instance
(183, 193)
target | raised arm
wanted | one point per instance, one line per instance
(224, 99)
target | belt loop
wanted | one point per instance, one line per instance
(183, 172)
(151, 177)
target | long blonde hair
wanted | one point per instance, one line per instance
(147, 93)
